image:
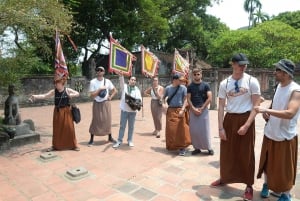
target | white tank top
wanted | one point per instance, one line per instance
(282, 129)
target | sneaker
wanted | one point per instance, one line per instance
(275, 194)
(91, 143)
(265, 191)
(196, 151)
(248, 195)
(130, 144)
(285, 197)
(211, 152)
(117, 144)
(157, 135)
(154, 132)
(181, 152)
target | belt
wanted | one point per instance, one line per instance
(239, 113)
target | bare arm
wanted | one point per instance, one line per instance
(113, 93)
(289, 113)
(222, 133)
(208, 100)
(255, 102)
(160, 91)
(95, 93)
(42, 96)
(72, 93)
(147, 91)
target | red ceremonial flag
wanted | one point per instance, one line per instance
(61, 68)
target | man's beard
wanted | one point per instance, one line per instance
(197, 79)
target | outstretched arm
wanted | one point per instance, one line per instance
(42, 96)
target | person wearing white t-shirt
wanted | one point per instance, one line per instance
(240, 92)
(102, 91)
(278, 159)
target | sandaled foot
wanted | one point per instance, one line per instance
(217, 183)
(76, 149)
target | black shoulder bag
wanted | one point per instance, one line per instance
(171, 97)
(75, 113)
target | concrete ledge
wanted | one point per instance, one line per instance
(19, 141)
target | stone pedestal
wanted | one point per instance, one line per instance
(18, 135)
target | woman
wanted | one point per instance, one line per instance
(63, 127)
(156, 92)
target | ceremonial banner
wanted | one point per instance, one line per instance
(61, 68)
(149, 63)
(180, 65)
(120, 59)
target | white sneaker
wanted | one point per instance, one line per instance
(117, 144)
(130, 144)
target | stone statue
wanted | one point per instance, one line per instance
(11, 110)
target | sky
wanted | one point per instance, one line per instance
(232, 13)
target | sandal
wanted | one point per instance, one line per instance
(217, 183)
(76, 149)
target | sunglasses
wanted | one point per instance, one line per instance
(237, 88)
(99, 70)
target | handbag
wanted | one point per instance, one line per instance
(76, 113)
(103, 93)
(133, 103)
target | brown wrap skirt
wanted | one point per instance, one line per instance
(63, 129)
(237, 160)
(101, 121)
(177, 130)
(279, 161)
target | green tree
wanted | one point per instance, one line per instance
(264, 44)
(34, 21)
(259, 17)
(191, 26)
(31, 24)
(132, 22)
(290, 18)
(250, 6)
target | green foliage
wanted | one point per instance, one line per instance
(35, 21)
(264, 45)
(290, 18)
(23, 63)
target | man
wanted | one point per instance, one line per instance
(102, 91)
(278, 159)
(177, 128)
(127, 113)
(240, 92)
(199, 96)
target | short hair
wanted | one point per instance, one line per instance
(196, 70)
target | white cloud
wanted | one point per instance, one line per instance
(233, 15)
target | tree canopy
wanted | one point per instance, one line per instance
(264, 44)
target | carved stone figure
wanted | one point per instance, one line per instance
(11, 110)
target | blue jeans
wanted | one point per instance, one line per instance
(130, 116)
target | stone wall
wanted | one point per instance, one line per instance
(42, 84)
